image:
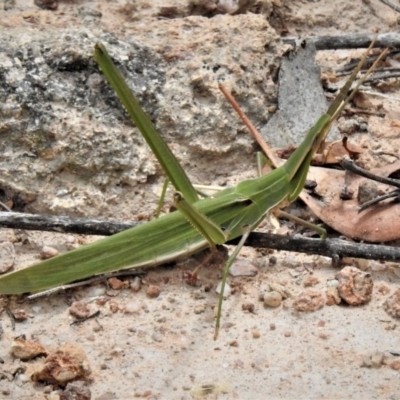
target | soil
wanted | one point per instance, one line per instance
(152, 336)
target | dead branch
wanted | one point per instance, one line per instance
(62, 224)
(334, 248)
(351, 41)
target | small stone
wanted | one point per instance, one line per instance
(113, 306)
(227, 289)
(355, 287)
(116, 284)
(361, 263)
(309, 301)
(199, 309)
(272, 299)
(383, 288)
(20, 315)
(256, 334)
(323, 335)
(79, 309)
(377, 359)
(243, 267)
(76, 391)
(272, 327)
(48, 252)
(366, 363)
(311, 280)
(392, 304)
(96, 291)
(281, 289)
(395, 365)
(234, 343)
(25, 350)
(153, 291)
(7, 258)
(65, 364)
(272, 260)
(248, 307)
(348, 126)
(332, 296)
(136, 284)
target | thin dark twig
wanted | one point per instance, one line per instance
(395, 194)
(349, 165)
(383, 75)
(349, 41)
(389, 3)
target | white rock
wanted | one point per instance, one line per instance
(227, 289)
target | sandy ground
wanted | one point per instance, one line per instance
(138, 346)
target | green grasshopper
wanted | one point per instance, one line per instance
(196, 224)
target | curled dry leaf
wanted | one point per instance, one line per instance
(362, 100)
(328, 153)
(380, 223)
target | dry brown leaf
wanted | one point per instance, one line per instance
(380, 223)
(361, 100)
(328, 153)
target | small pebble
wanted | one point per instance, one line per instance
(377, 359)
(199, 309)
(332, 296)
(115, 283)
(79, 309)
(20, 315)
(355, 287)
(227, 289)
(383, 288)
(136, 284)
(395, 365)
(272, 260)
(153, 291)
(348, 126)
(309, 301)
(323, 335)
(7, 258)
(25, 350)
(311, 280)
(256, 334)
(272, 299)
(248, 307)
(113, 306)
(243, 267)
(48, 252)
(96, 291)
(392, 304)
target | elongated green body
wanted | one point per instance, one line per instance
(164, 239)
(236, 211)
